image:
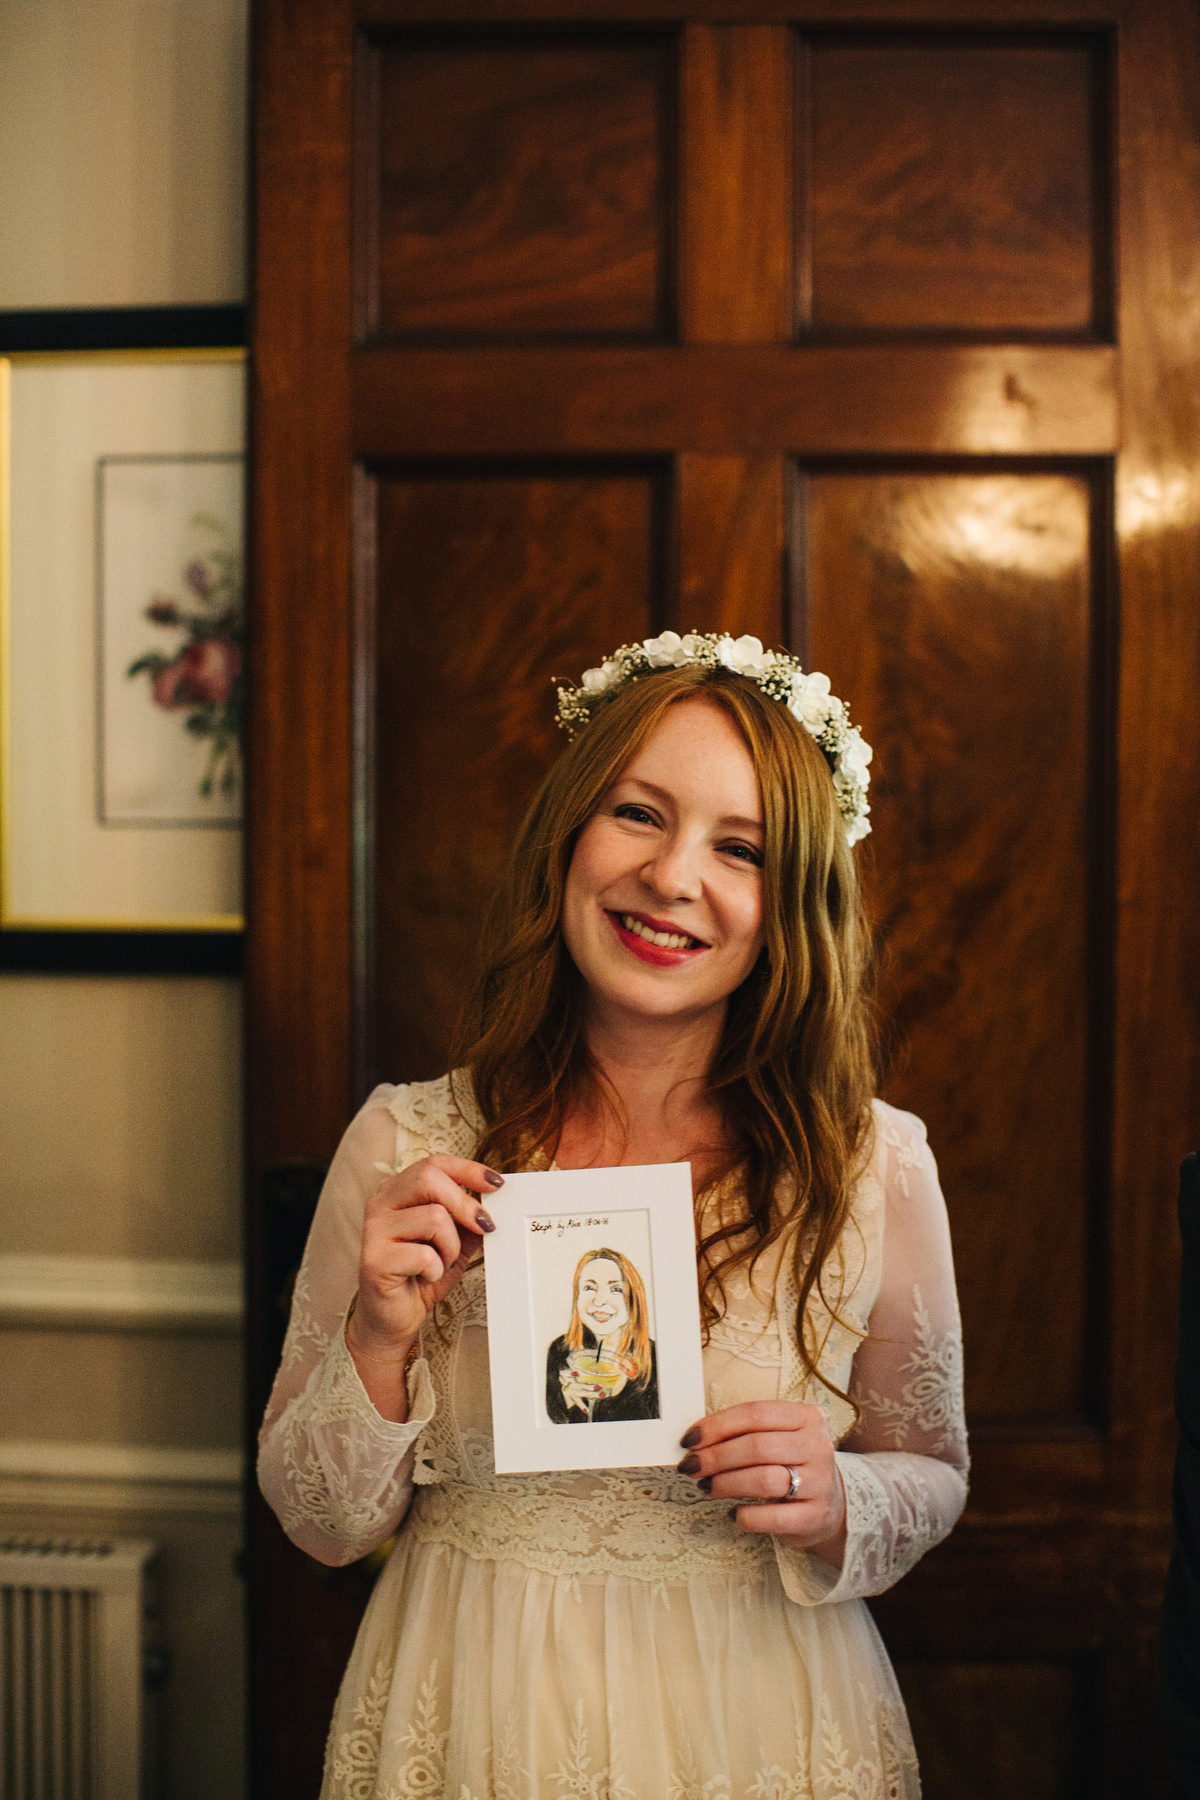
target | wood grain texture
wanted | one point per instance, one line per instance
(822, 399)
(1036, 1720)
(951, 186)
(1157, 892)
(523, 185)
(299, 912)
(952, 613)
(489, 586)
(730, 537)
(736, 155)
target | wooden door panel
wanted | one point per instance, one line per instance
(957, 610)
(737, 153)
(995, 1730)
(731, 548)
(519, 185)
(570, 563)
(956, 184)
(971, 400)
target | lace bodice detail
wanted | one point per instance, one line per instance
(341, 1478)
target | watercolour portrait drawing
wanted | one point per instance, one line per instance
(591, 1293)
(603, 1366)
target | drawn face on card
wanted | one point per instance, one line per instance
(600, 1297)
(591, 1295)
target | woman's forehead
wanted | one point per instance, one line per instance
(695, 747)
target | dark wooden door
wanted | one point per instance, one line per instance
(574, 321)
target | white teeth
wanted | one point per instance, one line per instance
(666, 940)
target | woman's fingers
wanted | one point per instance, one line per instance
(746, 1454)
(806, 1520)
(469, 1174)
(448, 1181)
(769, 1481)
(752, 1416)
(431, 1224)
(420, 1230)
(773, 1448)
(435, 1171)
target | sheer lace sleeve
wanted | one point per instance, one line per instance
(336, 1474)
(904, 1465)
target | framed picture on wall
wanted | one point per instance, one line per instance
(121, 643)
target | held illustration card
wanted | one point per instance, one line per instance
(593, 1318)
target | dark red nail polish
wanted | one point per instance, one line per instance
(689, 1466)
(485, 1221)
(733, 1513)
(705, 1484)
(493, 1179)
(691, 1438)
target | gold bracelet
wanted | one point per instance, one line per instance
(386, 1361)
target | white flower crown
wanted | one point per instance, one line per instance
(807, 698)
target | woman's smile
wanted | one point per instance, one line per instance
(655, 941)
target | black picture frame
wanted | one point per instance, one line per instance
(121, 951)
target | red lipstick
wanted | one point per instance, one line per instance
(658, 955)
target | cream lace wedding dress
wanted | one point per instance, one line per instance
(614, 1636)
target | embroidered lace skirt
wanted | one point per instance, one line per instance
(478, 1677)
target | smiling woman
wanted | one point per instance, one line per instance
(675, 970)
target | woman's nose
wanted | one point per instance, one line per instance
(674, 872)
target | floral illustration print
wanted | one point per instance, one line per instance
(203, 677)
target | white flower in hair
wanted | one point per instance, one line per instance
(599, 681)
(665, 651)
(812, 703)
(856, 757)
(806, 696)
(744, 655)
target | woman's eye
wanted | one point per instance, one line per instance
(629, 810)
(744, 853)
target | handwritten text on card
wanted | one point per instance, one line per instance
(560, 1227)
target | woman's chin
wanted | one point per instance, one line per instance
(652, 1003)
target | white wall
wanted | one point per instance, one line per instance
(121, 184)
(121, 152)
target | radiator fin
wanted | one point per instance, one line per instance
(71, 1648)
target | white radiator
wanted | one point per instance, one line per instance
(72, 1626)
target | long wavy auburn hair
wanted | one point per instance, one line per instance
(635, 1334)
(793, 1071)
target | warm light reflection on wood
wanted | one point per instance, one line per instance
(1027, 524)
(1165, 497)
(954, 614)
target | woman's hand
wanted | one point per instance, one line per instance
(420, 1230)
(745, 1453)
